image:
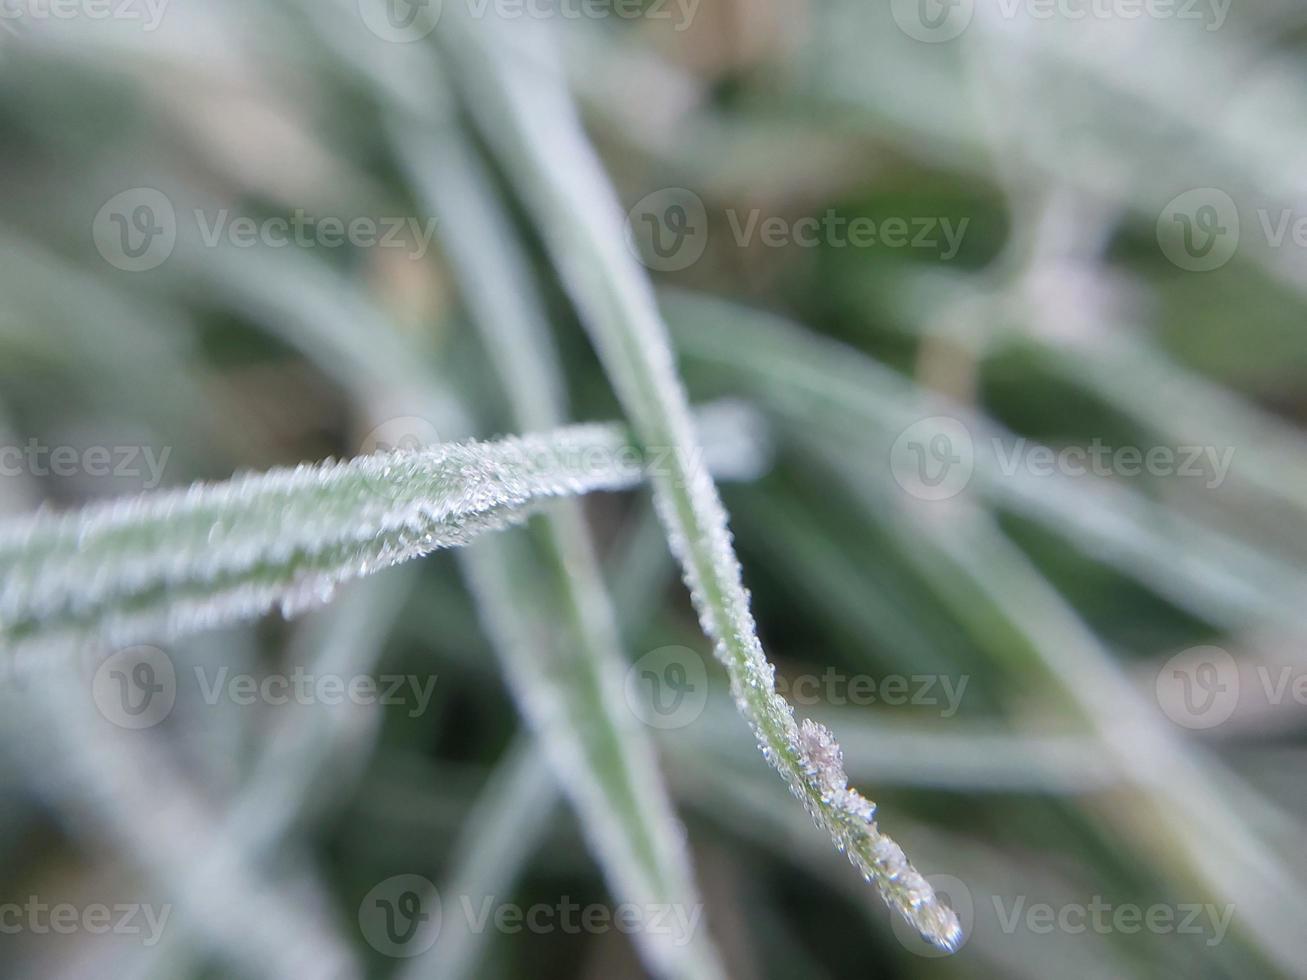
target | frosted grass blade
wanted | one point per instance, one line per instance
(164, 564)
(522, 104)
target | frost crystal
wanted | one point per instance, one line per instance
(824, 763)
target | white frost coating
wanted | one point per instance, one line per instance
(174, 562)
(523, 106)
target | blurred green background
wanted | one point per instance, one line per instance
(235, 235)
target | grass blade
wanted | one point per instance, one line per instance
(505, 826)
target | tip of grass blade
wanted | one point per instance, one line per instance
(901, 885)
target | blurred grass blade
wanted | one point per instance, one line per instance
(170, 563)
(505, 826)
(1191, 808)
(302, 756)
(525, 111)
(1118, 364)
(111, 784)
